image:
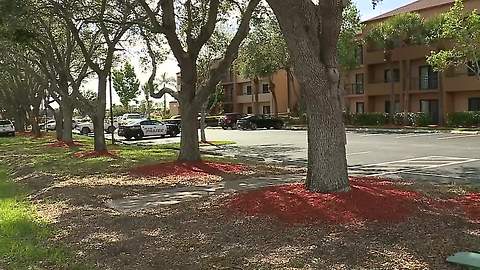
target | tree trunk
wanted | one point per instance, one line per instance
(274, 96)
(34, 115)
(99, 116)
(311, 31)
(189, 148)
(203, 124)
(58, 115)
(392, 89)
(67, 114)
(20, 120)
(327, 164)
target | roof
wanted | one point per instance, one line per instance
(415, 6)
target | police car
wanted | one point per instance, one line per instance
(144, 128)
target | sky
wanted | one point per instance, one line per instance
(171, 68)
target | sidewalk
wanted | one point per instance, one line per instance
(183, 194)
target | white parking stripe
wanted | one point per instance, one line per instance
(417, 135)
(429, 167)
(359, 153)
(458, 137)
(371, 135)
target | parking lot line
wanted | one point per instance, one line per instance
(371, 135)
(458, 137)
(359, 153)
(416, 135)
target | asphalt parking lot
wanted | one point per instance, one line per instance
(440, 157)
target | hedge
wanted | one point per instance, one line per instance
(463, 119)
(382, 119)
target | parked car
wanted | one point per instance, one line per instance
(86, 127)
(128, 117)
(144, 128)
(230, 120)
(52, 125)
(259, 121)
(7, 128)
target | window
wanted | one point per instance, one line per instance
(387, 75)
(248, 90)
(430, 108)
(360, 107)
(358, 88)
(265, 88)
(249, 110)
(473, 69)
(474, 104)
(266, 110)
(359, 55)
(428, 78)
(388, 108)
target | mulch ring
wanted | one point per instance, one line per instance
(370, 200)
(200, 172)
(62, 144)
(96, 154)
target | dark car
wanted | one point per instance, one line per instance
(259, 121)
(230, 120)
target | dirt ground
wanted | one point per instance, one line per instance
(203, 234)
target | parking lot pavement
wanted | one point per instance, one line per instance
(441, 157)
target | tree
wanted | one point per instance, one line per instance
(126, 84)
(348, 40)
(264, 53)
(461, 29)
(188, 27)
(98, 27)
(401, 30)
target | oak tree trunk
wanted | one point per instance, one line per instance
(99, 115)
(311, 31)
(58, 115)
(19, 120)
(67, 114)
(203, 124)
(34, 116)
(189, 147)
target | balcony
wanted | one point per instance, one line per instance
(424, 84)
(265, 97)
(244, 99)
(381, 88)
(354, 89)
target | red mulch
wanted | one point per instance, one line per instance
(367, 201)
(62, 144)
(188, 169)
(95, 154)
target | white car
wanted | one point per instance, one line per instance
(129, 117)
(145, 128)
(7, 128)
(86, 127)
(51, 125)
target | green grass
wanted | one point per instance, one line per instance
(23, 235)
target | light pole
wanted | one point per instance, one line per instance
(111, 110)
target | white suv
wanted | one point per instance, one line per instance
(6, 127)
(129, 117)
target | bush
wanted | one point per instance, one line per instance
(382, 119)
(463, 119)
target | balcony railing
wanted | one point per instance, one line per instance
(354, 89)
(425, 84)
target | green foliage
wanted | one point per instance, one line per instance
(461, 29)
(264, 51)
(401, 30)
(463, 119)
(382, 119)
(348, 39)
(126, 84)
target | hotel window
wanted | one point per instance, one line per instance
(248, 90)
(473, 69)
(358, 88)
(359, 55)
(474, 104)
(249, 110)
(387, 75)
(265, 88)
(360, 107)
(428, 78)
(266, 110)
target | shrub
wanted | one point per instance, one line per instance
(381, 119)
(463, 119)
(370, 119)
